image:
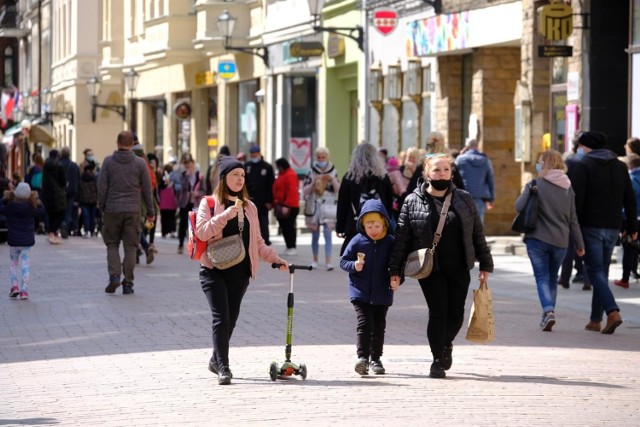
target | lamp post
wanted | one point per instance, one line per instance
(47, 97)
(376, 94)
(131, 79)
(354, 33)
(226, 24)
(93, 86)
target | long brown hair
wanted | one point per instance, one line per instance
(10, 196)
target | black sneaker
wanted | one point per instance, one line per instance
(577, 278)
(213, 366)
(114, 282)
(63, 231)
(362, 367)
(447, 357)
(437, 370)
(224, 376)
(127, 289)
(377, 368)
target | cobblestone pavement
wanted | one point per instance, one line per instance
(73, 355)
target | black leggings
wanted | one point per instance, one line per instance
(372, 322)
(224, 290)
(445, 292)
(184, 223)
(288, 227)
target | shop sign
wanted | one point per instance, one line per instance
(385, 20)
(553, 51)
(205, 79)
(182, 109)
(306, 49)
(555, 21)
(300, 154)
(335, 46)
(227, 69)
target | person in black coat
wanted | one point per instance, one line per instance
(462, 242)
(260, 178)
(366, 179)
(54, 195)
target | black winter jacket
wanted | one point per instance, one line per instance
(415, 229)
(349, 200)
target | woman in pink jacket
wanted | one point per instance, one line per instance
(224, 289)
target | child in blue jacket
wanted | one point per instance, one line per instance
(366, 259)
(21, 207)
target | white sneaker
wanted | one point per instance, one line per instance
(314, 265)
(291, 251)
(329, 267)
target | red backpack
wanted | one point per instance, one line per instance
(196, 247)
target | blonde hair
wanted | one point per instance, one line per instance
(323, 150)
(552, 159)
(430, 160)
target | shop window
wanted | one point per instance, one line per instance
(248, 111)
(9, 60)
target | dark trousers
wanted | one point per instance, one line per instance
(168, 221)
(372, 322)
(55, 220)
(629, 261)
(288, 227)
(184, 223)
(125, 227)
(263, 218)
(568, 264)
(445, 293)
(224, 290)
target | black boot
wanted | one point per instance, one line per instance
(447, 358)
(224, 375)
(437, 370)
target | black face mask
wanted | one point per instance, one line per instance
(440, 184)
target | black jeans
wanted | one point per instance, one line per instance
(224, 290)
(263, 218)
(372, 322)
(445, 293)
(184, 223)
(568, 264)
(629, 261)
(288, 227)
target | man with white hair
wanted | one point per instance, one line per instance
(477, 175)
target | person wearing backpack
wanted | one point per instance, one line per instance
(225, 288)
(366, 179)
(189, 191)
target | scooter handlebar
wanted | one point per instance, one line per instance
(293, 267)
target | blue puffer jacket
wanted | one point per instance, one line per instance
(477, 174)
(21, 217)
(371, 285)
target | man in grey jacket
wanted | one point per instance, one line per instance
(123, 180)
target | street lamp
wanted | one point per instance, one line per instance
(354, 33)
(47, 97)
(226, 22)
(131, 78)
(93, 86)
(394, 84)
(413, 89)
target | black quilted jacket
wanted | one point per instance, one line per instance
(414, 229)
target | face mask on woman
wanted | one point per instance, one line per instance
(538, 167)
(579, 153)
(322, 165)
(440, 184)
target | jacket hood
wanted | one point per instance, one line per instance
(557, 177)
(373, 205)
(474, 158)
(602, 155)
(124, 156)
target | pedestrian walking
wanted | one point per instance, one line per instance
(225, 288)
(366, 179)
(88, 198)
(123, 185)
(462, 243)
(189, 190)
(69, 226)
(21, 208)
(320, 190)
(477, 174)
(556, 221)
(603, 188)
(366, 259)
(260, 179)
(286, 201)
(168, 206)
(629, 252)
(54, 196)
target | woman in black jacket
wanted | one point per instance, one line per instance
(54, 196)
(366, 179)
(462, 242)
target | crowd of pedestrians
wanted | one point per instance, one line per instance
(382, 207)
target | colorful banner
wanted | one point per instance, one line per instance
(441, 33)
(300, 155)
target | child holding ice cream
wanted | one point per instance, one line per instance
(370, 289)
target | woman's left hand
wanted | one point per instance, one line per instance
(484, 275)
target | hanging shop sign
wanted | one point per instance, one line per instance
(555, 21)
(182, 109)
(335, 46)
(553, 51)
(306, 49)
(385, 20)
(226, 69)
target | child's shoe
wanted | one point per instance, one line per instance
(377, 368)
(24, 295)
(362, 367)
(15, 291)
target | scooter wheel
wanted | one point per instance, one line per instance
(273, 371)
(303, 371)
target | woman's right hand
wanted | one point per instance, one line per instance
(232, 211)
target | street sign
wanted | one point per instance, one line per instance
(385, 20)
(555, 21)
(306, 49)
(227, 69)
(553, 51)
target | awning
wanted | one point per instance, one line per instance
(15, 129)
(38, 133)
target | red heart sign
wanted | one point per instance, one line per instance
(300, 152)
(385, 20)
